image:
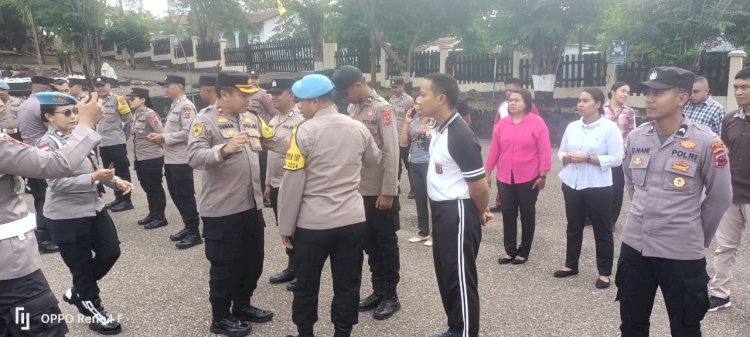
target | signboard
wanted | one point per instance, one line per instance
(617, 52)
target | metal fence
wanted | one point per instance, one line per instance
(356, 57)
(234, 57)
(208, 51)
(479, 68)
(573, 71)
(713, 66)
(184, 49)
(289, 55)
(161, 47)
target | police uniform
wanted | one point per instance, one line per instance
(9, 114)
(320, 205)
(206, 80)
(79, 224)
(283, 124)
(669, 227)
(178, 172)
(31, 128)
(73, 81)
(22, 283)
(149, 159)
(115, 129)
(230, 202)
(260, 103)
(381, 242)
(401, 105)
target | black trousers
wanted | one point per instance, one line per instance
(344, 246)
(263, 161)
(77, 238)
(117, 155)
(381, 245)
(275, 207)
(234, 247)
(618, 189)
(456, 235)
(418, 179)
(595, 203)
(32, 293)
(514, 198)
(403, 154)
(150, 173)
(683, 283)
(38, 189)
(182, 190)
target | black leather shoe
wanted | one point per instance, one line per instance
(231, 327)
(495, 209)
(565, 273)
(253, 314)
(188, 241)
(370, 302)
(504, 260)
(342, 332)
(180, 235)
(516, 260)
(48, 247)
(156, 223)
(71, 297)
(601, 284)
(121, 207)
(284, 276)
(112, 204)
(145, 220)
(291, 285)
(388, 306)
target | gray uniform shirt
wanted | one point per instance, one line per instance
(146, 122)
(666, 182)
(30, 120)
(115, 126)
(401, 104)
(9, 113)
(283, 125)
(176, 130)
(75, 196)
(21, 257)
(377, 116)
(229, 185)
(323, 193)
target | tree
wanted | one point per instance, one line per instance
(211, 17)
(312, 14)
(24, 10)
(129, 31)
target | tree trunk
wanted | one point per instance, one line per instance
(34, 35)
(373, 60)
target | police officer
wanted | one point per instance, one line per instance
(401, 102)
(379, 188)
(77, 87)
(79, 223)
(320, 206)
(22, 283)
(670, 161)
(224, 142)
(206, 89)
(260, 103)
(149, 157)
(9, 106)
(283, 123)
(115, 129)
(31, 128)
(176, 169)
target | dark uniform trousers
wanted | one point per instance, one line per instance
(456, 235)
(418, 179)
(117, 155)
(77, 238)
(275, 207)
(38, 189)
(182, 190)
(683, 283)
(403, 152)
(515, 197)
(150, 173)
(313, 247)
(594, 202)
(381, 245)
(32, 293)
(618, 190)
(234, 247)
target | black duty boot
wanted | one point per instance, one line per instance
(180, 235)
(156, 223)
(102, 321)
(190, 240)
(253, 314)
(146, 220)
(342, 332)
(291, 285)
(388, 306)
(112, 204)
(231, 327)
(285, 275)
(121, 207)
(47, 247)
(371, 302)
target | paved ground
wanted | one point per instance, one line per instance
(161, 291)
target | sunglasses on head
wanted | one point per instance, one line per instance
(68, 112)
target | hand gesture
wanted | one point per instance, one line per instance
(539, 183)
(90, 111)
(124, 186)
(267, 193)
(287, 242)
(103, 175)
(384, 202)
(156, 138)
(236, 144)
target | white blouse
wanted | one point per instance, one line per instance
(601, 138)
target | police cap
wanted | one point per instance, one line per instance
(206, 80)
(396, 81)
(172, 79)
(4, 86)
(345, 76)
(52, 98)
(42, 80)
(238, 80)
(312, 86)
(254, 74)
(101, 80)
(139, 92)
(670, 77)
(278, 85)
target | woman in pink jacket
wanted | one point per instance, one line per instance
(521, 151)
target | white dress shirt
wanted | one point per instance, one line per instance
(601, 138)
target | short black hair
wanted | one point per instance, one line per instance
(598, 96)
(46, 109)
(743, 74)
(525, 97)
(445, 84)
(514, 81)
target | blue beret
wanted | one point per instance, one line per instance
(55, 98)
(312, 86)
(4, 86)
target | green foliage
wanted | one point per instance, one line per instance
(129, 31)
(209, 17)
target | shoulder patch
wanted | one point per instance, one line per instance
(198, 129)
(187, 111)
(387, 113)
(6, 138)
(720, 154)
(154, 119)
(294, 160)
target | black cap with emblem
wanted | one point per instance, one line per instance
(396, 81)
(100, 80)
(237, 80)
(254, 74)
(172, 79)
(42, 80)
(206, 80)
(139, 92)
(77, 81)
(661, 78)
(278, 85)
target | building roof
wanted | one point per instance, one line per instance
(262, 16)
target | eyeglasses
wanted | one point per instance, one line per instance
(68, 112)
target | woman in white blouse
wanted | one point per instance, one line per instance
(589, 149)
